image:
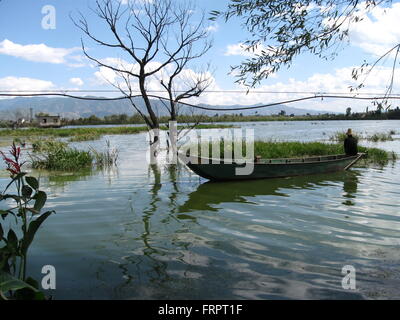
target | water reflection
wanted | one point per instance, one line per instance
(350, 188)
(163, 233)
(209, 194)
(160, 250)
(59, 181)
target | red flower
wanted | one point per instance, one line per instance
(14, 167)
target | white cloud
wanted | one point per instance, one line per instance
(25, 84)
(240, 49)
(36, 52)
(336, 82)
(106, 76)
(138, 1)
(212, 28)
(76, 81)
(378, 31)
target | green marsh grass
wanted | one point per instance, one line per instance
(56, 155)
(85, 134)
(70, 132)
(276, 150)
(85, 137)
(376, 137)
(107, 158)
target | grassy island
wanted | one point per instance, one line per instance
(276, 150)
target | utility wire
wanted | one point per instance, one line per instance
(207, 91)
(318, 96)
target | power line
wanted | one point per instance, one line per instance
(203, 107)
(207, 91)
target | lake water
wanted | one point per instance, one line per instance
(140, 232)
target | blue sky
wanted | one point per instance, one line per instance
(34, 58)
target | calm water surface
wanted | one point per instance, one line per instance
(140, 232)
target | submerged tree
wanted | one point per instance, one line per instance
(159, 40)
(281, 30)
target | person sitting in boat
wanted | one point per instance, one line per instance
(350, 144)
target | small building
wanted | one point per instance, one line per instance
(46, 121)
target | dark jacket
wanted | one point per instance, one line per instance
(350, 146)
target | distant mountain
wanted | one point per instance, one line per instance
(74, 108)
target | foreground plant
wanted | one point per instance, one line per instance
(24, 210)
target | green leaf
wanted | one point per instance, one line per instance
(10, 283)
(27, 294)
(4, 256)
(41, 198)
(33, 182)
(33, 211)
(8, 196)
(12, 240)
(4, 213)
(26, 191)
(18, 176)
(32, 229)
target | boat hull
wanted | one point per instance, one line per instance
(276, 168)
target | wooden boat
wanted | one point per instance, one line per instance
(218, 170)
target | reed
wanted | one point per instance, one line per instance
(85, 137)
(56, 155)
(85, 134)
(106, 158)
(376, 137)
(276, 150)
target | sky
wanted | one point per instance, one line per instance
(40, 49)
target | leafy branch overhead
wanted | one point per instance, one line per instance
(281, 30)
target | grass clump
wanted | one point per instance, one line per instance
(85, 134)
(85, 137)
(277, 150)
(56, 155)
(71, 132)
(340, 136)
(105, 158)
(376, 137)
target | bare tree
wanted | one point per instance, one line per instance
(161, 39)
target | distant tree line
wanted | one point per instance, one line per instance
(378, 114)
(239, 117)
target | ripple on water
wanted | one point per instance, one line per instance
(138, 232)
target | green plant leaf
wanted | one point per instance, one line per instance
(41, 198)
(33, 182)
(28, 294)
(4, 213)
(8, 196)
(4, 256)
(18, 176)
(26, 191)
(33, 227)
(33, 211)
(12, 240)
(10, 283)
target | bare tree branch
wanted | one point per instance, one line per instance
(160, 38)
